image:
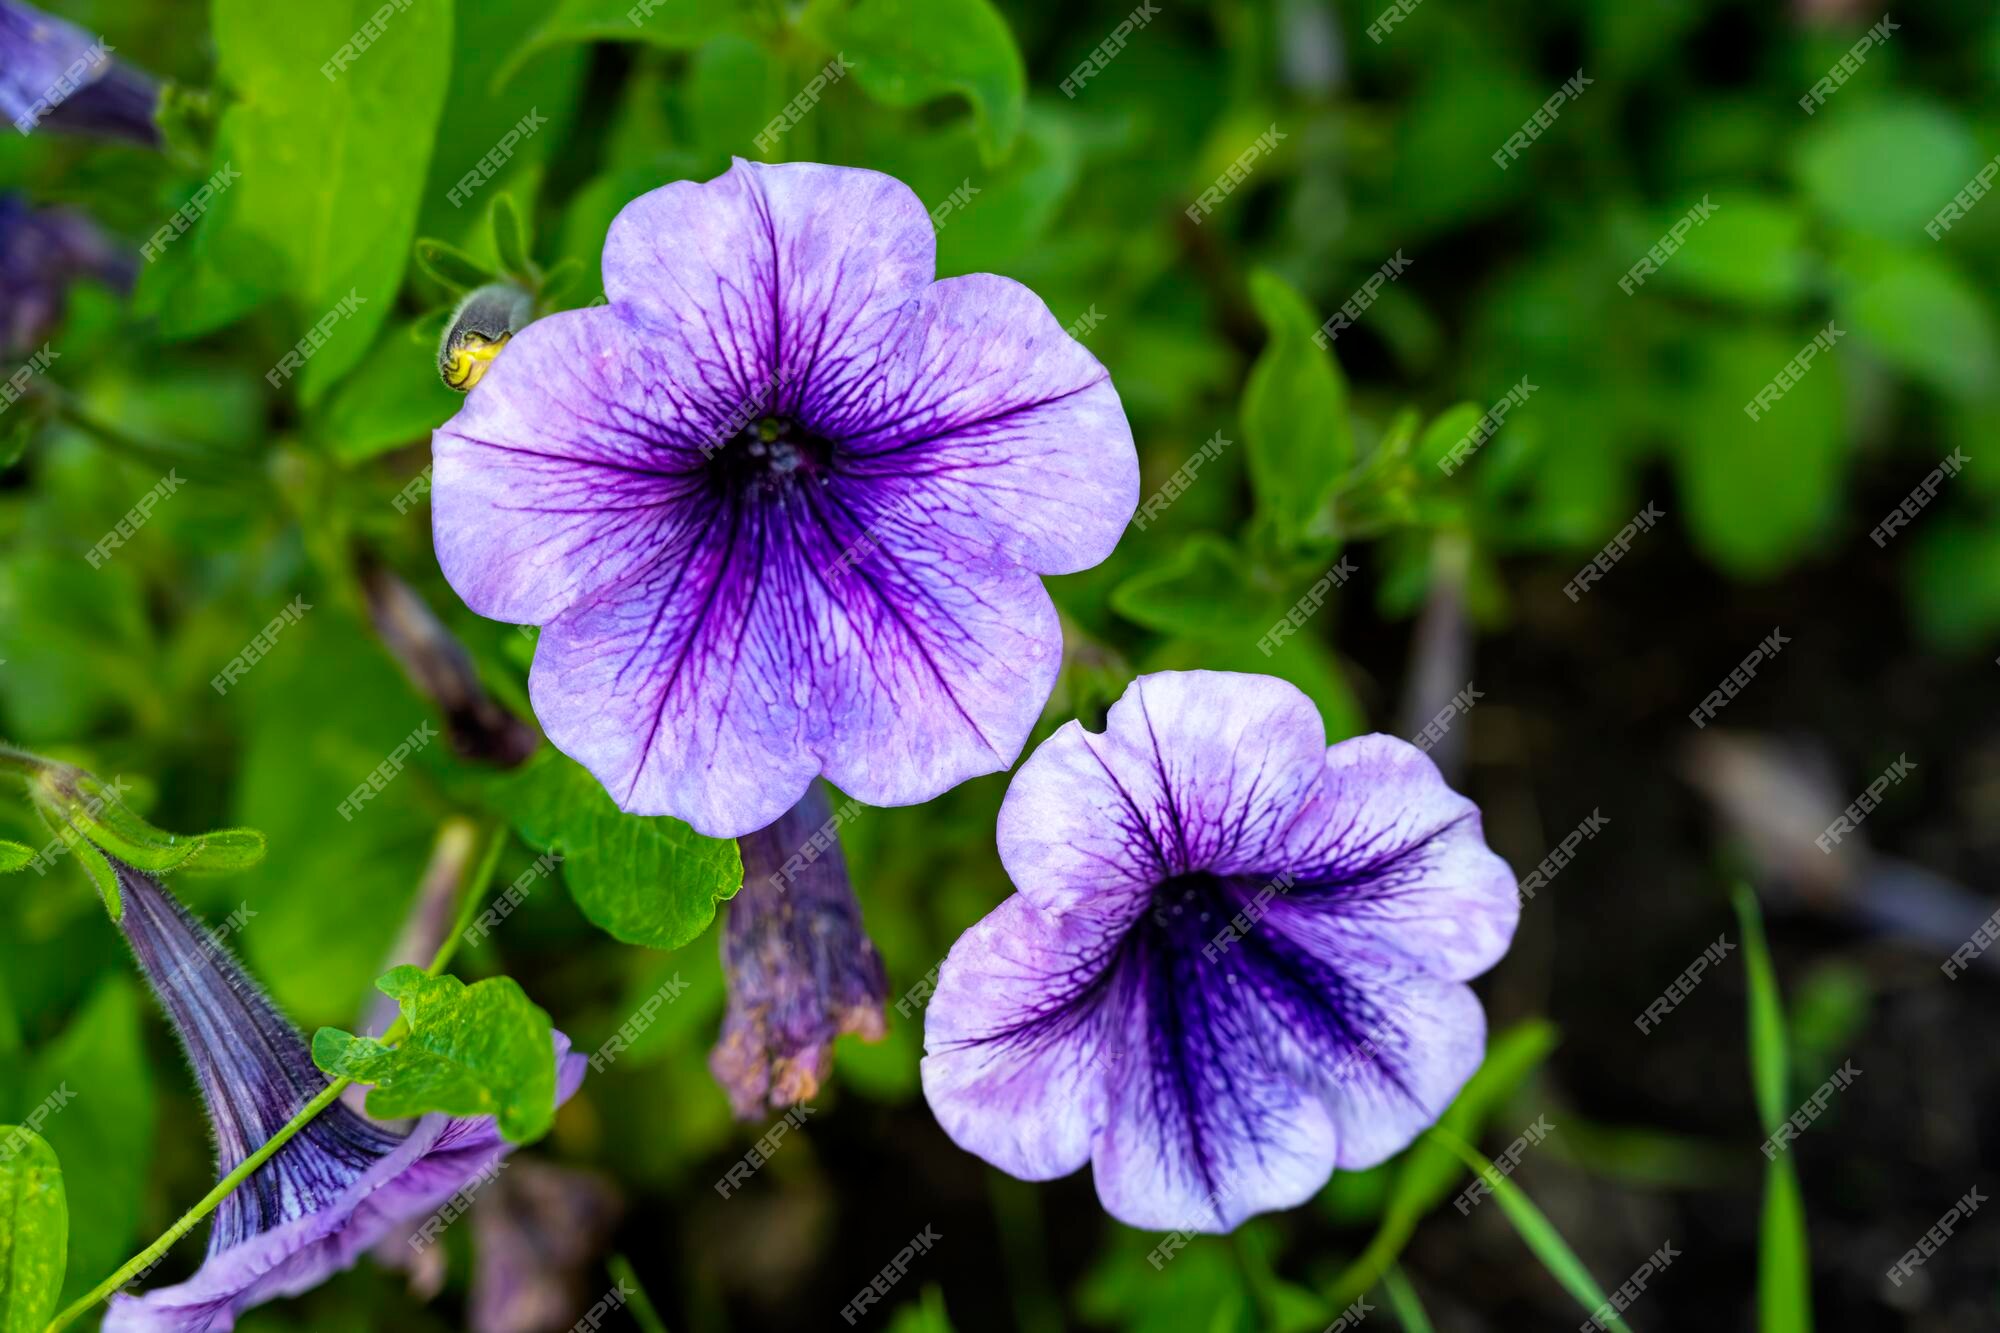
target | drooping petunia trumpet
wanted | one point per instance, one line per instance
(340, 1185)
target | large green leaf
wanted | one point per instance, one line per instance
(1922, 316)
(1760, 492)
(483, 1049)
(34, 1230)
(1295, 424)
(646, 879)
(908, 52)
(329, 133)
(674, 24)
(534, 108)
(100, 1088)
(1885, 168)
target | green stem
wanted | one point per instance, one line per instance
(476, 890)
(193, 1216)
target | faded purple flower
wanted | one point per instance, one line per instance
(41, 253)
(54, 74)
(801, 967)
(328, 1194)
(1237, 957)
(782, 504)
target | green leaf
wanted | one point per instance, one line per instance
(1205, 589)
(1294, 410)
(510, 238)
(34, 1230)
(1784, 1272)
(450, 267)
(908, 52)
(1760, 493)
(645, 879)
(1429, 1169)
(483, 1049)
(394, 398)
(1885, 168)
(96, 1080)
(15, 856)
(677, 25)
(1751, 249)
(1534, 1228)
(1920, 314)
(925, 1315)
(473, 135)
(330, 169)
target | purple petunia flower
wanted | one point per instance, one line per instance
(1236, 958)
(328, 1194)
(54, 74)
(782, 504)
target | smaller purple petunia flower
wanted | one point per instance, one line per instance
(331, 1192)
(800, 965)
(54, 74)
(1236, 958)
(782, 505)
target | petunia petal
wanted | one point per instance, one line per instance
(1195, 770)
(573, 465)
(1387, 851)
(772, 274)
(994, 423)
(777, 642)
(1021, 1035)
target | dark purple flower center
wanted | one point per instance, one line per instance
(1192, 906)
(769, 454)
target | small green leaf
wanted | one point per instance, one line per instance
(1204, 590)
(451, 267)
(510, 239)
(15, 856)
(483, 1049)
(1535, 1229)
(905, 53)
(645, 879)
(93, 865)
(34, 1230)
(1294, 411)
(225, 851)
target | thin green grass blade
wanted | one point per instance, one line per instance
(1536, 1231)
(1784, 1268)
(1403, 1302)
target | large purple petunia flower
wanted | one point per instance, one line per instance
(781, 505)
(1236, 958)
(331, 1192)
